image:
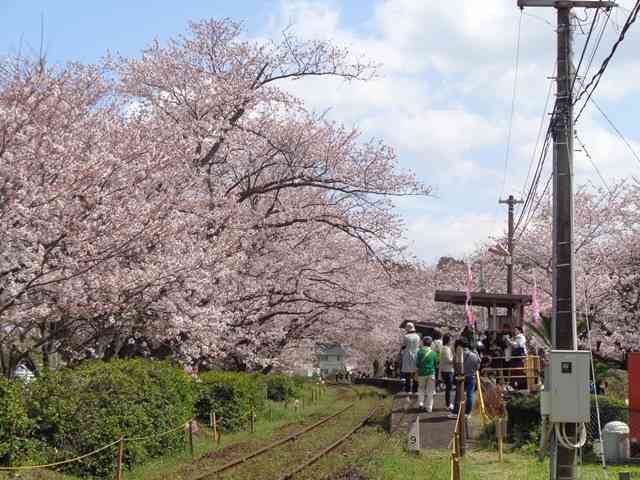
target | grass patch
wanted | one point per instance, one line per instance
(275, 421)
(393, 462)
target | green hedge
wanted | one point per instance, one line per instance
(282, 387)
(17, 444)
(230, 395)
(81, 409)
(523, 411)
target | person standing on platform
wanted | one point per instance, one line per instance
(446, 369)
(411, 344)
(376, 367)
(471, 364)
(426, 361)
(469, 336)
(518, 353)
(437, 347)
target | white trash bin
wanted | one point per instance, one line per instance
(615, 442)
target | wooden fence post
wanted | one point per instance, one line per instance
(120, 459)
(455, 458)
(253, 418)
(463, 427)
(455, 453)
(212, 424)
(499, 434)
(191, 437)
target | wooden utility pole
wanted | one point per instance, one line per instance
(563, 460)
(511, 201)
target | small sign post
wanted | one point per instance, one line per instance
(413, 442)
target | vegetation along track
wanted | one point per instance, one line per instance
(288, 456)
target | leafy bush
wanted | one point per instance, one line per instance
(230, 395)
(81, 409)
(523, 411)
(610, 410)
(524, 417)
(16, 445)
(283, 387)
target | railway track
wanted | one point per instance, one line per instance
(275, 456)
(333, 446)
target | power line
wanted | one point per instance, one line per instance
(544, 114)
(513, 105)
(597, 46)
(595, 80)
(616, 129)
(528, 210)
(536, 178)
(534, 210)
(584, 49)
(593, 163)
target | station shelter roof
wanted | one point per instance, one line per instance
(483, 299)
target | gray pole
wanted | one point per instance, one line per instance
(563, 460)
(563, 464)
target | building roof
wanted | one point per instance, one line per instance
(332, 349)
(483, 299)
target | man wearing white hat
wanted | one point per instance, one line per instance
(411, 344)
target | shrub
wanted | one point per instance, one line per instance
(523, 411)
(16, 445)
(610, 410)
(230, 395)
(524, 417)
(282, 387)
(81, 409)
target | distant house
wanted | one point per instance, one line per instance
(331, 359)
(24, 373)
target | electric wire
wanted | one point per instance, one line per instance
(533, 211)
(528, 210)
(513, 105)
(539, 135)
(593, 373)
(593, 163)
(597, 45)
(530, 197)
(584, 49)
(595, 80)
(616, 129)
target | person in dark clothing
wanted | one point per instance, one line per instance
(446, 369)
(471, 364)
(376, 367)
(469, 336)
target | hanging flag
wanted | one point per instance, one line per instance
(471, 320)
(535, 304)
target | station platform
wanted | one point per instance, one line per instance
(436, 429)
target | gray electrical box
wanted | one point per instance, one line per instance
(569, 397)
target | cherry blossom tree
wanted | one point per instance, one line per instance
(182, 204)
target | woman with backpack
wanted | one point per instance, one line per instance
(426, 362)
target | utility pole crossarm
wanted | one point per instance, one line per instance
(567, 3)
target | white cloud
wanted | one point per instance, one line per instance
(444, 97)
(433, 236)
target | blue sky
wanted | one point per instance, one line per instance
(442, 98)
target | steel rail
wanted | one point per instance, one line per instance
(331, 447)
(271, 446)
